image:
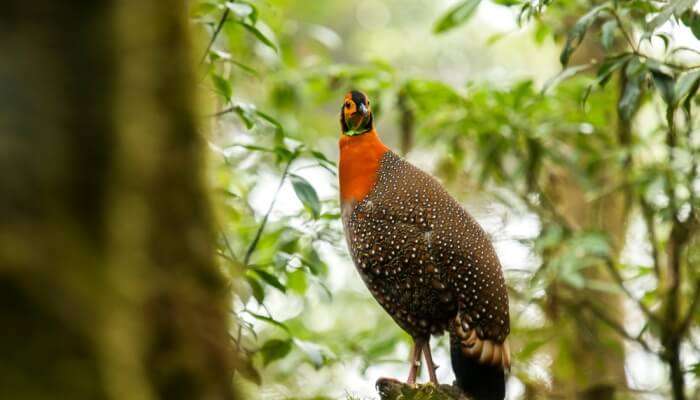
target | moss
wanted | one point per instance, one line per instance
(390, 389)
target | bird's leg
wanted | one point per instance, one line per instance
(429, 362)
(415, 361)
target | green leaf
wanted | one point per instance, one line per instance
(607, 34)
(245, 68)
(306, 194)
(296, 281)
(665, 37)
(315, 353)
(605, 72)
(256, 287)
(312, 260)
(578, 32)
(259, 35)
(322, 157)
(269, 320)
(250, 147)
(695, 369)
(226, 56)
(240, 9)
(665, 84)
(609, 66)
(270, 120)
(245, 367)
(274, 350)
(542, 30)
(324, 162)
(691, 19)
(269, 279)
(632, 93)
(246, 112)
(496, 37)
(456, 16)
(223, 86)
(674, 7)
(687, 85)
(563, 75)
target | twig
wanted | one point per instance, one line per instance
(638, 53)
(620, 282)
(653, 237)
(224, 16)
(685, 48)
(624, 31)
(256, 239)
(618, 328)
(546, 207)
(224, 111)
(228, 245)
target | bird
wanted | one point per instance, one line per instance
(425, 260)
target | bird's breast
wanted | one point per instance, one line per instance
(360, 159)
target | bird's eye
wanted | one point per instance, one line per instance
(347, 104)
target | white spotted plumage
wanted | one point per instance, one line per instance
(428, 262)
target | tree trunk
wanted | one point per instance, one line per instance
(107, 280)
(594, 365)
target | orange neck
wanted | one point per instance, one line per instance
(359, 163)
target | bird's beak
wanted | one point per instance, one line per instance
(363, 109)
(357, 119)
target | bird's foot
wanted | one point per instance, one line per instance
(387, 385)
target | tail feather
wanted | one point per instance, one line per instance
(483, 381)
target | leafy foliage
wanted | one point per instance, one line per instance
(458, 15)
(537, 150)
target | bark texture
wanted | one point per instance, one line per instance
(108, 285)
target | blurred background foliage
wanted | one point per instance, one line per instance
(567, 128)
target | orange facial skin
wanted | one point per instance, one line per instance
(359, 162)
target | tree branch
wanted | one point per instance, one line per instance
(690, 313)
(620, 330)
(610, 265)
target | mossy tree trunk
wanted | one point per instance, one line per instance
(108, 285)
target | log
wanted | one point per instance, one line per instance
(392, 389)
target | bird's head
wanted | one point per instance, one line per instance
(356, 114)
